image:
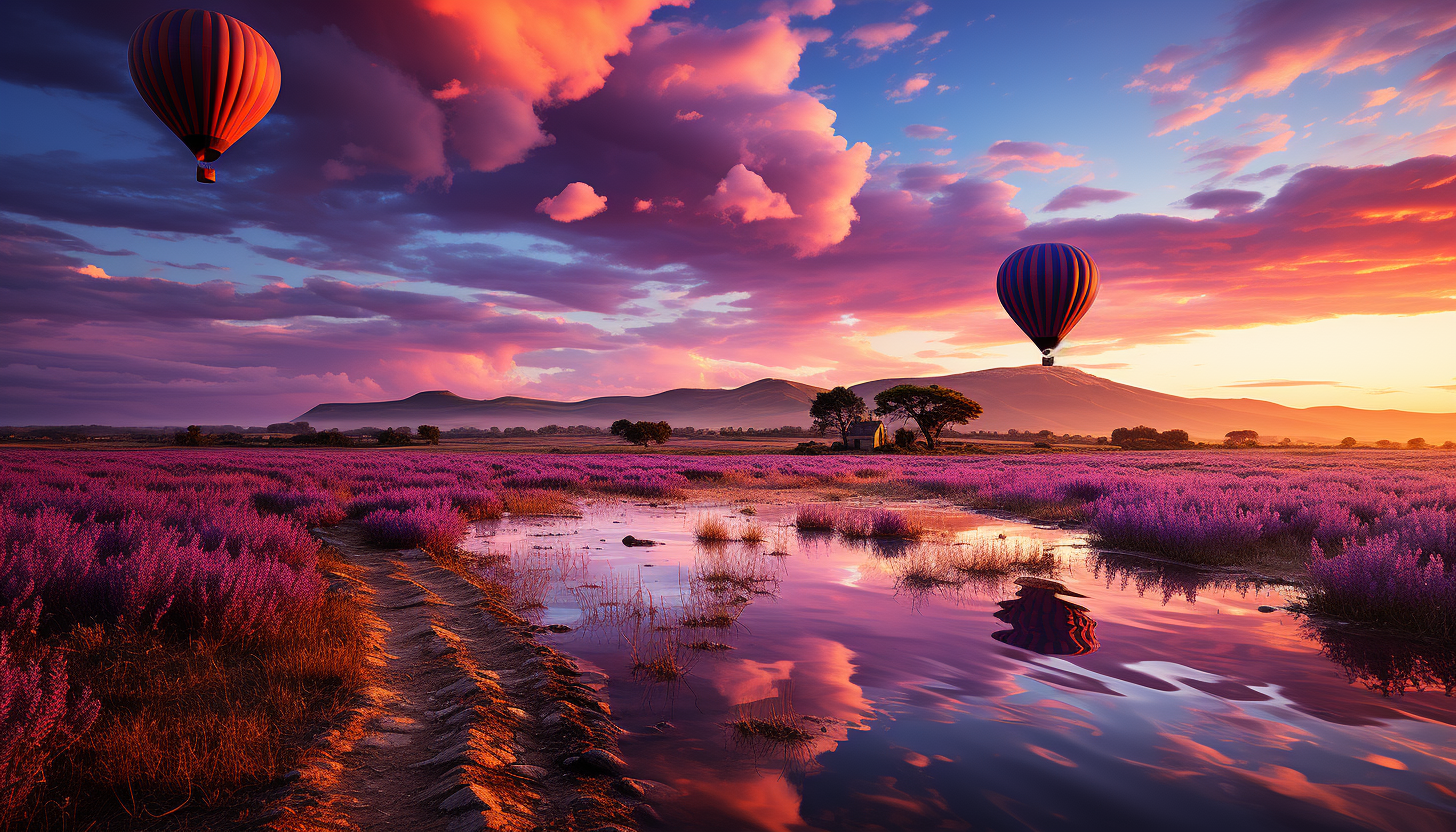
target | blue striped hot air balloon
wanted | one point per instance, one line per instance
(1046, 289)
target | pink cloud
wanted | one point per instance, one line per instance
(1377, 98)
(880, 35)
(1227, 160)
(92, 270)
(1007, 156)
(1437, 82)
(576, 201)
(1192, 114)
(452, 90)
(924, 131)
(744, 195)
(1080, 196)
(1273, 43)
(1226, 201)
(641, 205)
(784, 9)
(910, 88)
(927, 178)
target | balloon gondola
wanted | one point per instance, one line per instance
(207, 76)
(1046, 289)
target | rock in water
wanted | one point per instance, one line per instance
(629, 541)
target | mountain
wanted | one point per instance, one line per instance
(1062, 399)
(769, 402)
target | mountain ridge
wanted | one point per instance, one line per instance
(1063, 399)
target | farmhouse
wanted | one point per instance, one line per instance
(866, 436)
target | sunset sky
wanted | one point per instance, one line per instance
(566, 199)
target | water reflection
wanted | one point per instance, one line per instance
(1044, 623)
(1210, 715)
(1390, 666)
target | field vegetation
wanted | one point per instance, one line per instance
(195, 566)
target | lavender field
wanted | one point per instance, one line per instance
(215, 545)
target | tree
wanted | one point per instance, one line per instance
(904, 438)
(1241, 438)
(1348, 442)
(1140, 437)
(837, 409)
(932, 408)
(429, 433)
(641, 433)
(193, 437)
(1417, 444)
(393, 436)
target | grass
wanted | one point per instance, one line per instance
(712, 529)
(190, 722)
(815, 518)
(784, 729)
(539, 502)
(880, 523)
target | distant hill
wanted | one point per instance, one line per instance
(1063, 399)
(769, 402)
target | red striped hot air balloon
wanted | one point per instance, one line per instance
(207, 76)
(1046, 289)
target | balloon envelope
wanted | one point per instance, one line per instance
(1046, 289)
(207, 76)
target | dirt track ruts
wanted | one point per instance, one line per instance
(470, 725)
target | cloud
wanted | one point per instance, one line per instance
(924, 131)
(1273, 43)
(917, 9)
(1438, 81)
(1079, 196)
(91, 270)
(1284, 382)
(744, 194)
(576, 201)
(910, 88)
(1007, 156)
(1226, 201)
(1377, 98)
(927, 178)
(880, 36)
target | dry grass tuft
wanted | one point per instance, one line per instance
(541, 502)
(712, 529)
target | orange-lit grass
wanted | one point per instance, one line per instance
(712, 529)
(190, 722)
(539, 502)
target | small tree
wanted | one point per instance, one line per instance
(1141, 436)
(904, 438)
(429, 433)
(393, 436)
(1348, 442)
(1241, 438)
(641, 433)
(932, 408)
(1417, 444)
(837, 409)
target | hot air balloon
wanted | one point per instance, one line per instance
(207, 76)
(1046, 289)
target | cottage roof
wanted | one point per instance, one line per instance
(864, 428)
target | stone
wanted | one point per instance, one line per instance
(558, 628)
(529, 772)
(453, 779)
(463, 688)
(455, 754)
(472, 822)
(1267, 608)
(397, 725)
(629, 787)
(517, 712)
(291, 775)
(646, 815)
(629, 541)
(598, 759)
(551, 720)
(414, 554)
(474, 797)
(658, 792)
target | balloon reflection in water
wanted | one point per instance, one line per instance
(1044, 623)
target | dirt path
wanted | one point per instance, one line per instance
(472, 725)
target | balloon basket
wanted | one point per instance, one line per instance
(1047, 361)
(206, 175)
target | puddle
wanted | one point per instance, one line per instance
(1157, 698)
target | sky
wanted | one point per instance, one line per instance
(573, 198)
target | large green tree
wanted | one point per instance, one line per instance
(837, 409)
(932, 408)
